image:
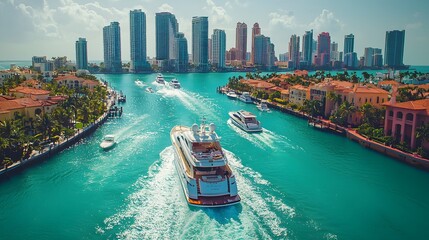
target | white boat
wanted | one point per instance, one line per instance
(108, 142)
(231, 94)
(160, 79)
(149, 89)
(204, 173)
(263, 107)
(246, 121)
(245, 97)
(174, 83)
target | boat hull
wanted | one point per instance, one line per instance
(240, 125)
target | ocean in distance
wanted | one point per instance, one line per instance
(295, 182)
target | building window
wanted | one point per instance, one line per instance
(409, 117)
(378, 99)
(382, 100)
(390, 113)
(38, 111)
(399, 115)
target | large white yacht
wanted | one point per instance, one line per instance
(245, 97)
(160, 79)
(203, 169)
(175, 83)
(246, 121)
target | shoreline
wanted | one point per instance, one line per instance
(56, 148)
(351, 134)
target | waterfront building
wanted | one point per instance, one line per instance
(293, 52)
(182, 56)
(112, 48)
(307, 48)
(166, 28)
(394, 48)
(219, 48)
(200, 28)
(256, 30)
(323, 49)
(241, 41)
(74, 82)
(298, 94)
(350, 60)
(402, 120)
(138, 54)
(377, 59)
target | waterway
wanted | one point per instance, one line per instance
(295, 182)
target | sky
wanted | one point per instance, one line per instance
(51, 27)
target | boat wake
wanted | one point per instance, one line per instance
(192, 101)
(265, 139)
(158, 209)
(139, 83)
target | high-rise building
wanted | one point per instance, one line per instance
(294, 52)
(307, 47)
(138, 55)
(335, 55)
(264, 52)
(219, 48)
(256, 30)
(394, 48)
(241, 40)
(112, 47)
(349, 41)
(166, 28)
(323, 49)
(210, 50)
(181, 55)
(368, 57)
(81, 54)
(351, 60)
(200, 35)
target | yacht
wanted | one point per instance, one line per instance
(108, 142)
(231, 94)
(175, 83)
(204, 173)
(246, 121)
(160, 79)
(245, 97)
(263, 107)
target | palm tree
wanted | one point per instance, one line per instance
(422, 133)
(312, 107)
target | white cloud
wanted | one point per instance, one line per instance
(43, 19)
(218, 14)
(327, 22)
(165, 8)
(412, 26)
(83, 14)
(287, 20)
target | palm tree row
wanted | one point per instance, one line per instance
(21, 135)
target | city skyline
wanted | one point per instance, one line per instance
(50, 28)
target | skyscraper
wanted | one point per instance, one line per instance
(219, 48)
(368, 56)
(335, 55)
(81, 54)
(307, 47)
(200, 35)
(112, 47)
(138, 41)
(394, 48)
(349, 41)
(294, 52)
(166, 28)
(256, 30)
(323, 49)
(241, 41)
(263, 52)
(181, 56)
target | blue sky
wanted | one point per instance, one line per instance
(51, 27)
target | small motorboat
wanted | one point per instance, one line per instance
(231, 94)
(149, 90)
(108, 142)
(175, 83)
(263, 107)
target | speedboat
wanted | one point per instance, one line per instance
(149, 89)
(245, 97)
(263, 107)
(246, 121)
(231, 94)
(160, 79)
(202, 166)
(108, 142)
(174, 83)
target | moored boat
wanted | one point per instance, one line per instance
(204, 173)
(231, 94)
(108, 142)
(246, 121)
(263, 107)
(245, 97)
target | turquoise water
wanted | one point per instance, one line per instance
(295, 182)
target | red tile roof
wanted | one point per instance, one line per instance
(28, 90)
(411, 105)
(28, 102)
